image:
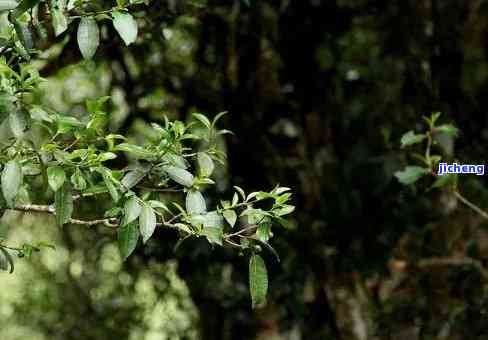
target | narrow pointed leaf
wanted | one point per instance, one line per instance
(63, 202)
(59, 20)
(230, 216)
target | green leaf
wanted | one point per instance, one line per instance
(263, 233)
(126, 26)
(258, 281)
(59, 21)
(78, 181)
(136, 151)
(180, 176)
(11, 181)
(411, 138)
(18, 123)
(205, 164)
(109, 183)
(6, 260)
(284, 210)
(147, 222)
(195, 203)
(132, 210)
(448, 129)
(63, 203)
(88, 37)
(213, 235)
(56, 177)
(24, 34)
(127, 237)
(230, 216)
(6, 5)
(23, 7)
(132, 178)
(411, 174)
(204, 120)
(445, 180)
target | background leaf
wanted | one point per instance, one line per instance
(63, 203)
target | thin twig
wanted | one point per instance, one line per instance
(471, 205)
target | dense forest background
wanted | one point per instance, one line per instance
(319, 93)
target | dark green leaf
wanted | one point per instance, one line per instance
(18, 123)
(23, 6)
(127, 237)
(63, 202)
(448, 129)
(6, 260)
(78, 181)
(24, 34)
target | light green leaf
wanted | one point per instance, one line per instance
(88, 37)
(78, 181)
(132, 210)
(23, 6)
(180, 176)
(56, 177)
(11, 181)
(6, 5)
(230, 216)
(59, 21)
(213, 235)
(109, 183)
(411, 174)
(195, 203)
(411, 138)
(132, 178)
(204, 120)
(448, 129)
(127, 237)
(63, 203)
(147, 222)
(125, 24)
(18, 123)
(284, 210)
(205, 164)
(136, 151)
(258, 281)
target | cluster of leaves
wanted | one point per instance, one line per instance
(70, 158)
(428, 160)
(29, 23)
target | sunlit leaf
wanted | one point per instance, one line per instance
(147, 222)
(195, 203)
(126, 26)
(88, 37)
(11, 181)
